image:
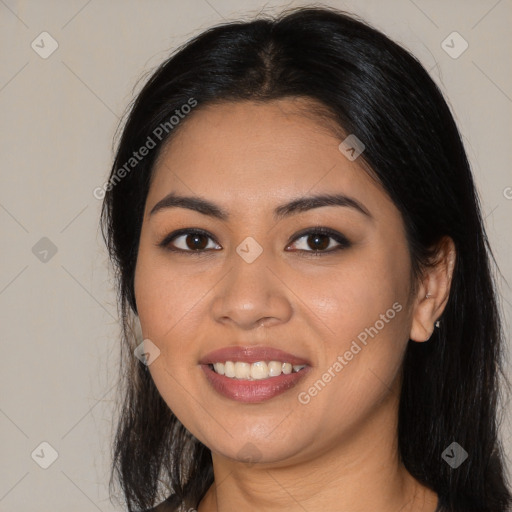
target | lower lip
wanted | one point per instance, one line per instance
(253, 391)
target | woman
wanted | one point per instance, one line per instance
(295, 230)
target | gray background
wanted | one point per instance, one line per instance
(59, 114)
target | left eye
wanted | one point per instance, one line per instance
(319, 240)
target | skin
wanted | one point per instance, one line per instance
(339, 451)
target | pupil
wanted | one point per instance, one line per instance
(320, 245)
(194, 244)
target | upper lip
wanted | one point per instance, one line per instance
(251, 355)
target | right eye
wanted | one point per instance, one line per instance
(192, 241)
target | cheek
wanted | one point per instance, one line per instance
(363, 316)
(169, 306)
(352, 296)
(164, 296)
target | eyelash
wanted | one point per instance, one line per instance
(317, 230)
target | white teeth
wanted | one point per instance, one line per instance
(219, 368)
(242, 370)
(229, 369)
(255, 371)
(274, 368)
(259, 370)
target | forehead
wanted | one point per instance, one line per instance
(247, 153)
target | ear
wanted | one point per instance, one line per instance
(433, 292)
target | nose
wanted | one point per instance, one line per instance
(252, 294)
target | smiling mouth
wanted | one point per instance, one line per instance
(253, 374)
(249, 390)
(259, 370)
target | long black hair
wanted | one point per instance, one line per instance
(372, 87)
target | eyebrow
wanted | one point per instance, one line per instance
(298, 205)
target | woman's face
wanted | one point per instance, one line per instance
(255, 281)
